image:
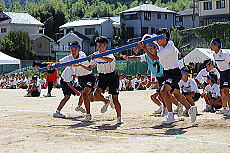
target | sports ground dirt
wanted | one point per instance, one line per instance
(27, 125)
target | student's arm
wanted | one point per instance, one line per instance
(71, 87)
(108, 59)
(152, 56)
(131, 57)
(89, 68)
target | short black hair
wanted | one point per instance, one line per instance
(165, 32)
(75, 43)
(212, 77)
(207, 62)
(34, 77)
(101, 39)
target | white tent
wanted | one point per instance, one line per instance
(6, 59)
(199, 55)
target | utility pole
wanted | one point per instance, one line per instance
(193, 15)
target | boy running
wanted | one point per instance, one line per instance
(107, 78)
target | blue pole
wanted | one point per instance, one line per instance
(101, 54)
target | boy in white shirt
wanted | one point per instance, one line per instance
(13, 82)
(201, 78)
(68, 89)
(212, 93)
(222, 59)
(107, 78)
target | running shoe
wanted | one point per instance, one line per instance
(80, 109)
(87, 118)
(58, 115)
(169, 118)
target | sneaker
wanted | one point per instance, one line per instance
(58, 115)
(227, 112)
(80, 109)
(105, 107)
(223, 111)
(192, 112)
(158, 111)
(87, 118)
(47, 95)
(119, 120)
(180, 110)
(208, 108)
(169, 118)
(28, 95)
(185, 113)
(164, 112)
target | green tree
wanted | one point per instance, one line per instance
(18, 44)
(2, 5)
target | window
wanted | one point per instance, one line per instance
(153, 30)
(158, 16)
(207, 5)
(89, 31)
(220, 4)
(147, 15)
(3, 30)
(130, 31)
(131, 17)
(180, 19)
(165, 16)
(144, 30)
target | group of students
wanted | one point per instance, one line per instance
(14, 81)
(175, 86)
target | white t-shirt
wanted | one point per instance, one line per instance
(27, 81)
(38, 85)
(168, 56)
(13, 81)
(80, 71)
(122, 84)
(222, 59)
(67, 74)
(214, 90)
(189, 86)
(202, 75)
(104, 66)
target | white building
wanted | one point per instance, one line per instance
(12, 21)
(83, 31)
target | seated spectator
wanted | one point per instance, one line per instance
(211, 94)
(34, 89)
(122, 80)
(12, 82)
(42, 82)
(128, 83)
(136, 82)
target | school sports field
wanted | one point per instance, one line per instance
(27, 125)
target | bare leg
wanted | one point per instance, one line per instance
(86, 93)
(80, 99)
(154, 98)
(165, 91)
(63, 102)
(190, 99)
(117, 105)
(99, 97)
(181, 98)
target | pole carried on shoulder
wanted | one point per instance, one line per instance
(101, 54)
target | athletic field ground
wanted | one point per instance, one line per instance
(27, 126)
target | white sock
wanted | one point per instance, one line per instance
(57, 111)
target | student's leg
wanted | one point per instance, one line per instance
(63, 102)
(154, 98)
(225, 97)
(50, 87)
(190, 99)
(80, 99)
(98, 95)
(181, 98)
(117, 105)
(216, 102)
(165, 91)
(86, 94)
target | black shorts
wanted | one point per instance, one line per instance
(172, 78)
(87, 81)
(67, 90)
(225, 79)
(160, 82)
(110, 80)
(217, 106)
(35, 93)
(195, 97)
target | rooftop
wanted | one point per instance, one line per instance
(148, 7)
(85, 22)
(188, 12)
(22, 18)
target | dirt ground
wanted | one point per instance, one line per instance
(27, 125)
